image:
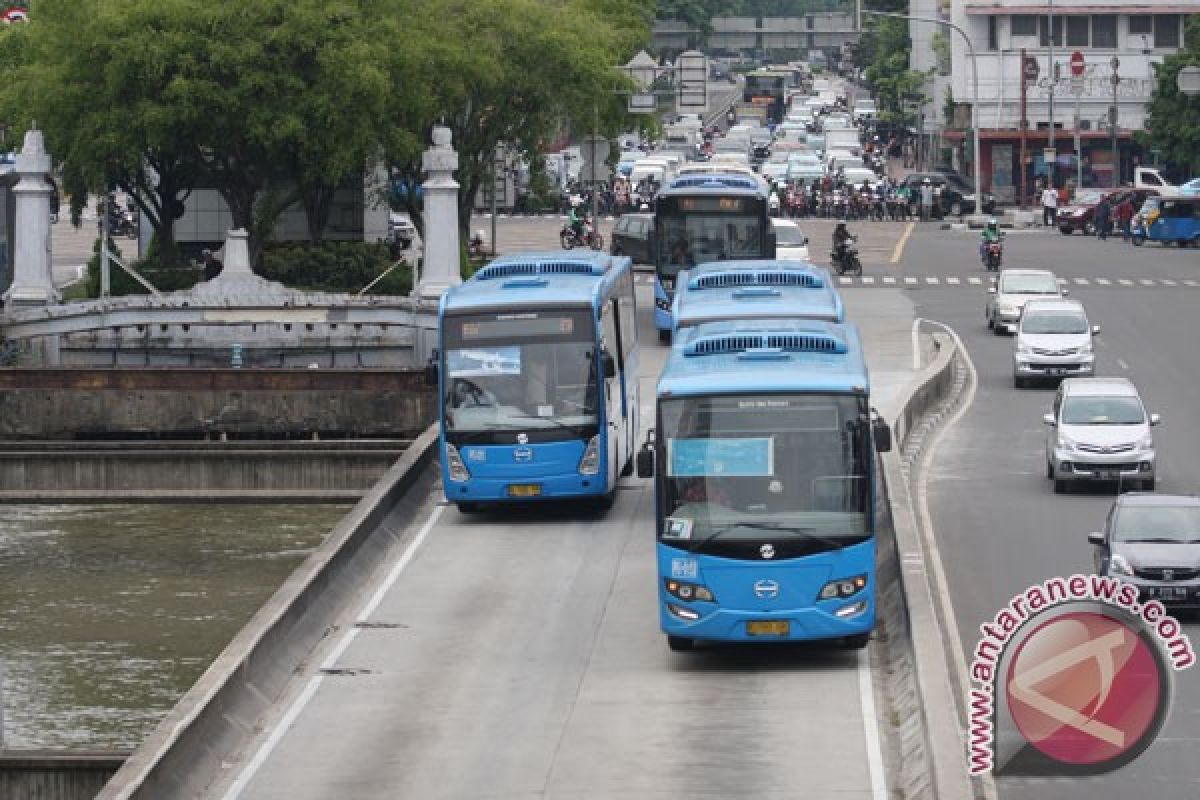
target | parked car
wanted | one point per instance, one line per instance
(631, 237)
(954, 196)
(1099, 430)
(1152, 541)
(1012, 290)
(790, 242)
(1054, 340)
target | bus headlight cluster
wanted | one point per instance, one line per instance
(590, 463)
(843, 587)
(455, 466)
(689, 591)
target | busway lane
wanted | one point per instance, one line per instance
(518, 655)
(1000, 527)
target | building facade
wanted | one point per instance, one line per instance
(1055, 106)
(826, 32)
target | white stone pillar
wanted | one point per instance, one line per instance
(442, 255)
(33, 283)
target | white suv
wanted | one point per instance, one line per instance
(1100, 431)
(1053, 340)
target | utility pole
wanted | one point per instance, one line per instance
(1024, 129)
(1112, 123)
(1053, 88)
(105, 214)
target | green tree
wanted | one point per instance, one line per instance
(1173, 121)
(885, 52)
(512, 71)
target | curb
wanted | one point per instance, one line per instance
(931, 758)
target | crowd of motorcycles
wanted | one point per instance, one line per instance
(122, 220)
(880, 203)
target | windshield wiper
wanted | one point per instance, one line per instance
(566, 426)
(807, 533)
(1153, 541)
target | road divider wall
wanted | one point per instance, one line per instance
(218, 719)
(928, 753)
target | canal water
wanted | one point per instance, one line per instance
(108, 614)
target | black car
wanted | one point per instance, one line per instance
(952, 195)
(631, 237)
(1153, 542)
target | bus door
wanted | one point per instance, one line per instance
(625, 316)
(615, 407)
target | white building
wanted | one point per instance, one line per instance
(1099, 31)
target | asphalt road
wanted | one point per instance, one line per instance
(998, 524)
(518, 655)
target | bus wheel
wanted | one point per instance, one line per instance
(468, 508)
(856, 642)
(664, 337)
(680, 644)
(605, 501)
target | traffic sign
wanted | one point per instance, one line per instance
(643, 103)
(594, 149)
(1031, 68)
(692, 82)
(1078, 64)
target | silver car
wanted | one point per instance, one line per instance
(1014, 288)
(1053, 340)
(1100, 431)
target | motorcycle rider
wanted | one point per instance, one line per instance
(840, 236)
(576, 220)
(991, 234)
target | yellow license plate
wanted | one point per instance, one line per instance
(773, 627)
(524, 489)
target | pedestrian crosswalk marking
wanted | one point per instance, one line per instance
(952, 280)
(1081, 281)
(868, 280)
(910, 280)
(930, 279)
(1167, 282)
(1103, 281)
(846, 281)
(1124, 281)
(889, 279)
(1146, 282)
(974, 281)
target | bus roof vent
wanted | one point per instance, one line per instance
(743, 277)
(531, 267)
(715, 181)
(745, 342)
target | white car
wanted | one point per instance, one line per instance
(790, 242)
(856, 176)
(1054, 340)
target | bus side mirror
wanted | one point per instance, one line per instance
(882, 434)
(431, 371)
(608, 365)
(645, 459)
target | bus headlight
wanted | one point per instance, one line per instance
(455, 466)
(843, 587)
(688, 591)
(590, 463)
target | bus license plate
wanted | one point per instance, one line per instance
(524, 489)
(772, 627)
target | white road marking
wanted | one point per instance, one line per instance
(281, 728)
(1121, 363)
(1081, 281)
(910, 280)
(1167, 282)
(1103, 281)
(867, 279)
(931, 280)
(1190, 283)
(953, 281)
(845, 281)
(975, 281)
(889, 279)
(1124, 281)
(1146, 282)
(871, 728)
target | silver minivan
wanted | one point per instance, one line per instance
(1100, 431)
(1054, 340)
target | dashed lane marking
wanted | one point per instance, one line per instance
(953, 281)
(1081, 281)
(1103, 281)
(1124, 281)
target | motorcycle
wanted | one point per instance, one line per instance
(477, 246)
(847, 261)
(591, 237)
(993, 255)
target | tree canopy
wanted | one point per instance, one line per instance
(1173, 120)
(884, 55)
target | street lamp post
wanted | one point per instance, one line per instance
(1112, 123)
(974, 92)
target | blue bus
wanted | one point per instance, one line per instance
(763, 454)
(703, 218)
(755, 290)
(536, 369)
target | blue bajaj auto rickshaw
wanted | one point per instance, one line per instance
(1168, 219)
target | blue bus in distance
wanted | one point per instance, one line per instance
(728, 290)
(763, 455)
(536, 371)
(701, 218)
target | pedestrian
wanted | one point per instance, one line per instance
(1101, 218)
(926, 200)
(1049, 205)
(1124, 213)
(212, 265)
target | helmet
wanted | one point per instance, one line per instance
(925, 181)
(992, 223)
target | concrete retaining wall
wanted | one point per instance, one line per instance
(219, 471)
(199, 403)
(218, 717)
(37, 775)
(928, 752)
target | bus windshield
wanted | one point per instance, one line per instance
(700, 238)
(530, 371)
(745, 467)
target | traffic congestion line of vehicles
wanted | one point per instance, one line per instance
(762, 449)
